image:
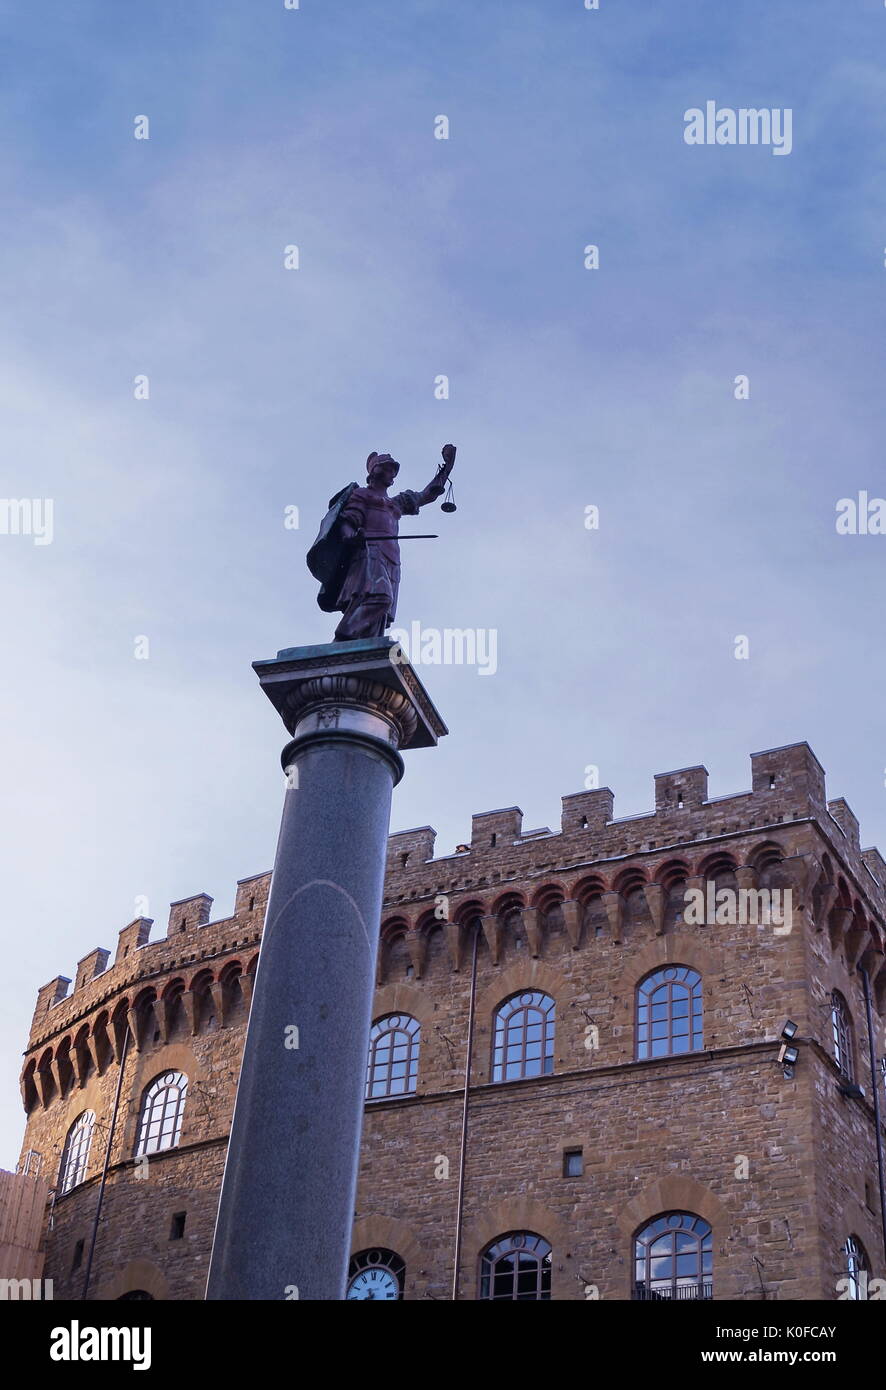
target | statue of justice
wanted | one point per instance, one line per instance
(356, 555)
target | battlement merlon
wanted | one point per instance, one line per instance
(788, 784)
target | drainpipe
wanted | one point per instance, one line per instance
(875, 1086)
(101, 1190)
(459, 1211)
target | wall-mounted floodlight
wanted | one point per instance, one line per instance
(788, 1056)
(789, 1030)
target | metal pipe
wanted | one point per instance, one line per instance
(464, 1117)
(102, 1185)
(875, 1087)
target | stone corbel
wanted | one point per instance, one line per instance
(655, 901)
(165, 1011)
(189, 1004)
(246, 981)
(572, 916)
(57, 1074)
(828, 897)
(417, 945)
(46, 1085)
(453, 944)
(492, 931)
(532, 928)
(136, 1032)
(81, 1057)
(218, 998)
(842, 921)
(614, 904)
(855, 941)
(695, 884)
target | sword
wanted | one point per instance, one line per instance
(400, 538)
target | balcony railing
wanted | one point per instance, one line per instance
(703, 1289)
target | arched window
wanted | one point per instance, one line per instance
(523, 1044)
(841, 1027)
(669, 1012)
(516, 1266)
(135, 1295)
(376, 1274)
(75, 1156)
(857, 1268)
(163, 1106)
(673, 1257)
(393, 1057)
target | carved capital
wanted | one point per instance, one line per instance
(352, 703)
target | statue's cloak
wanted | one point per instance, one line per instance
(330, 556)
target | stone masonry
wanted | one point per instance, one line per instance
(783, 1168)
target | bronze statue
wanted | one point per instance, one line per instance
(356, 555)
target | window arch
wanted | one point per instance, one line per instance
(378, 1274)
(523, 1042)
(75, 1155)
(673, 1257)
(163, 1107)
(857, 1269)
(669, 1012)
(393, 1057)
(516, 1266)
(841, 1031)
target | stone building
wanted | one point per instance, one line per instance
(616, 992)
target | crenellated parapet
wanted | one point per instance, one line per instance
(599, 879)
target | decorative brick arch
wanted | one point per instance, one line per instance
(138, 1274)
(402, 998)
(387, 1233)
(518, 1214)
(676, 1192)
(677, 948)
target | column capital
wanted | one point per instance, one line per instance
(363, 689)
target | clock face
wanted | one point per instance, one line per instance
(375, 1282)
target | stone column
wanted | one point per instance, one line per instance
(287, 1200)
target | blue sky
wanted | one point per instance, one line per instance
(568, 388)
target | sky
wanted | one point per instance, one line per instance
(149, 769)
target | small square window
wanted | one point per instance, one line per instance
(573, 1163)
(177, 1227)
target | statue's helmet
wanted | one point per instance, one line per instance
(375, 460)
